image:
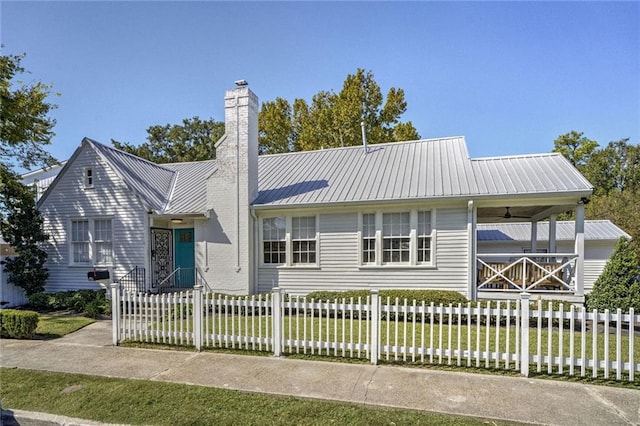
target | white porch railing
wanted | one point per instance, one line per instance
(532, 273)
(516, 335)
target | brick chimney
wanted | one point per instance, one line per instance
(231, 189)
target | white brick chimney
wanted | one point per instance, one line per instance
(231, 189)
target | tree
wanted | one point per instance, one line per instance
(619, 284)
(614, 168)
(194, 140)
(21, 227)
(334, 119)
(25, 125)
(575, 147)
(275, 127)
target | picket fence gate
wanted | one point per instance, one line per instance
(501, 335)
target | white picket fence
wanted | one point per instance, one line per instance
(516, 336)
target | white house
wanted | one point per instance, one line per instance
(395, 215)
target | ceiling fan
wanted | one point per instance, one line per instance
(508, 215)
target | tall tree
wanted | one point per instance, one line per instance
(275, 127)
(21, 227)
(575, 147)
(25, 125)
(614, 168)
(614, 171)
(193, 140)
(334, 119)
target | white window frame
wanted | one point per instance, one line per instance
(88, 177)
(289, 263)
(413, 240)
(91, 242)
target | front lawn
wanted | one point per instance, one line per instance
(151, 402)
(56, 324)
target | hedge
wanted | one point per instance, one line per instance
(18, 324)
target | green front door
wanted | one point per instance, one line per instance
(184, 257)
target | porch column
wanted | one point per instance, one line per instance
(472, 219)
(552, 234)
(534, 236)
(579, 250)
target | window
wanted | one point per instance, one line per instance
(102, 241)
(88, 177)
(369, 238)
(424, 237)
(274, 243)
(80, 241)
(91, 242)
(290, 241)
(303, 239)
(397, 238)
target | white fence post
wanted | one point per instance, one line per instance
(524, 333)
(197, 316)
(115, 312)
(276, 314)
(373, 339)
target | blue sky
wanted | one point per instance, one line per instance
(509, 76)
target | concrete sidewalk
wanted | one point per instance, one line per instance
(516, 399)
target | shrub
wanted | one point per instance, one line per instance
(619, 284)
(90, 302)
(445, 297)
(40, 301)
(18, 324)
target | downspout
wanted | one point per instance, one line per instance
(256, 251)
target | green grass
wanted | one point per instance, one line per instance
(54, 325)
(151, 402)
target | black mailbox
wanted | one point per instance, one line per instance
(97, 275)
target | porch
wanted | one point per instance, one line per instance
(505, 268)
(550, 277)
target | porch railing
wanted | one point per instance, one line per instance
(529, 272)
(134, 280)
(183, 279)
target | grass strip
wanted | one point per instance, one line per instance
(159, 403)
(54, 325)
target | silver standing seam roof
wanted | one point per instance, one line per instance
(397, 171)
(429, 168)
(565, 230)
(174, 188)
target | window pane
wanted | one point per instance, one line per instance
(80, 230)
(424, 223)
(81, 252)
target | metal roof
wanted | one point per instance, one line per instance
(392, 171)
(398, 171)
(424, 169)
(150, 181)
(190, 188)
(565, 230)
(527, 174)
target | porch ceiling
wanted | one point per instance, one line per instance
(519, 213)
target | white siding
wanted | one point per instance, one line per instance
(339, 260)
(110, 197)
